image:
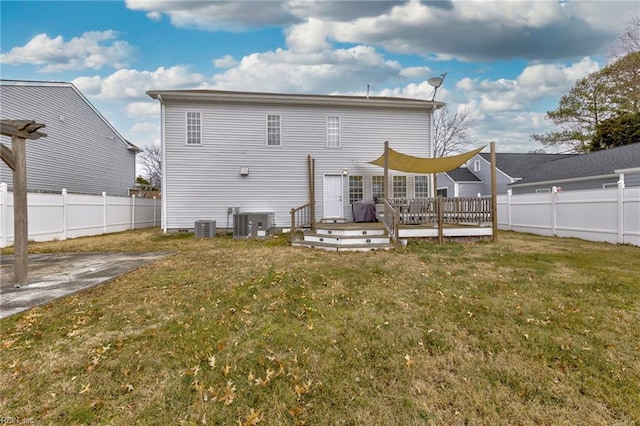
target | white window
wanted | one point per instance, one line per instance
(273, 130)
(194, 128)
(377, 187)
(609, 185)
(421, 186)
(333, 132)
(543, 190)
(476, 166)
(399, 186)
(356, 188)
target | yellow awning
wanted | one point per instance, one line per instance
(411, 164)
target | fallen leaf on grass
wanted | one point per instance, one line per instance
(253, 418)
(229, 393)
(408, 359)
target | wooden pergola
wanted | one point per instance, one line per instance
(16, 159)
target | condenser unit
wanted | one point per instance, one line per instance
(204, 228)
(252, 225)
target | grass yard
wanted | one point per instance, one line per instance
(530, 330)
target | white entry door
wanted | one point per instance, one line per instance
(332, 196)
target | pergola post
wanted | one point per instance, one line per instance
(16, 158)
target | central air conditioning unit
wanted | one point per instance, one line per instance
(252, 225)
(204, 228)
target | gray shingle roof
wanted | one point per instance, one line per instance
(520, 165)
(597, 163)
(462, 174)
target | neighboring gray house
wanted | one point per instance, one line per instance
(250, 150)
(459, 182)
(599, 169)
(82, 151)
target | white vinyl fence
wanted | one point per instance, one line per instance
(64, 215)
(610, 215)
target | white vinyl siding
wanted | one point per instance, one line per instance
(81, 152)
(399, 186)
(234, 135)
(333, 132)
(421, 186)
(356, 188)
(194, 127)
(273, 130)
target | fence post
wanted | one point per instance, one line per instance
(4, 229)
(621, 210)
(105, 226)
(133, 211)
(154, 211)
(554, 193)
(64, 213)
(509, 194)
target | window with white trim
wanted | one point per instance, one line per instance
(377, 187)
(356, 188)
(194, 127)
(421, 186)
(476, 166)
(273, 130)
(543, 190)
(333, 132)
(399, 186)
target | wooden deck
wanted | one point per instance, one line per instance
(426, 231)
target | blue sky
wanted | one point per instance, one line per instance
(508, 62)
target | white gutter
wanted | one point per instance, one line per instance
(631, 170)
(294, 99)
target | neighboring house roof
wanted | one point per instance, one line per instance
(591, 165)
(128, 144)
(463, 174)
(520, 165)
(287, 98)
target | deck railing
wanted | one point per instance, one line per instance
(302, 217)
(391, 221)
(454, 210)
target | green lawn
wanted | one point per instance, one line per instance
(529, 330)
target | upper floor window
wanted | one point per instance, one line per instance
(476, 166)
(273, 130)
(194, 128)
(399, 186)
(421, 186)
(333, 132)
(356, 188)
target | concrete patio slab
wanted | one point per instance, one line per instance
(51, 276)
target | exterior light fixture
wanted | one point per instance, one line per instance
(345, 172)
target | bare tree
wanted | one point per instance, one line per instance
(628, 42)
(451, 131)
(151, 162)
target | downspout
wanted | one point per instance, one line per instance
(163, 199)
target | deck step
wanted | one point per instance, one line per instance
(335, 247)
(333, 220)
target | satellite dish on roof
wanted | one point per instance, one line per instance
(436, 82)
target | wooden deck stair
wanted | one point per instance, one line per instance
(346, 237)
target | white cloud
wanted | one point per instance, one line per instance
(217, 15)
(130, 84)
(225, 62)
(331, 71)
(415, 72)
(142, 109)
(87, 51)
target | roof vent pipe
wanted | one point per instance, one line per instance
(367, 91)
